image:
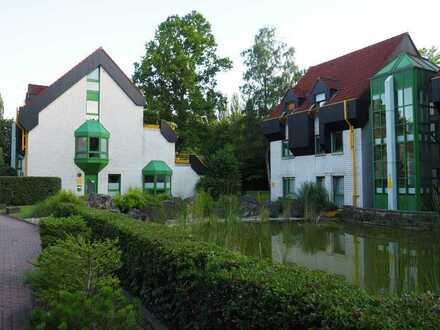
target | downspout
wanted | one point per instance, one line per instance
(24, 143)
(354, 195)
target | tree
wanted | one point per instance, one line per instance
(432, 54)
(178, 75)
(270, 71)
(5, 139)
(223, 173)
(2, 109)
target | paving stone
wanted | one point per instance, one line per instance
(19, 247)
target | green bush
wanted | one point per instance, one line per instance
(194, 284)
(16, 190)
(74, 287)
(64, 203)
(54, 229)
(315, 199)
(134, 198)
(223, 174)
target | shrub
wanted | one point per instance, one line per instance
(74, 287)
(314, 198)
(223, 174)
(27, 190)
(194, 284)
(134, 198)
(64, 203)
(54, 229)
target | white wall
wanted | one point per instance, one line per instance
(51, 146)
(307, 168)
(184, 180)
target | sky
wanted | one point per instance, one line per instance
(42, 39)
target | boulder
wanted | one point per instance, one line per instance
(135, 213)
(249, 207)
(172, 207)
(101, 201)
(274, 208)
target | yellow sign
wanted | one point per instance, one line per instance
(79, 180)
(389, 183)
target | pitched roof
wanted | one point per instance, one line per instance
(28, 114)
(405, 61)
(350, 72)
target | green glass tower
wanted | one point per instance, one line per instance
(416, 150)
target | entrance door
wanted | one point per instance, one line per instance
(91, 184)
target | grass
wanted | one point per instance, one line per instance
(26, 211)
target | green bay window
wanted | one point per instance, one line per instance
(157, 177)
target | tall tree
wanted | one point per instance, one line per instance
(270, 71)
(2, 109)
(178, 75)
(432, 54)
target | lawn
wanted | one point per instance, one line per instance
(26, 211)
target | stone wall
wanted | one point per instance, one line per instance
(423, 220)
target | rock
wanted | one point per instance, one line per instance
(151, 213)
(135, 213)
(100, 201)
(249, 207)
(172, 207)
(274, 208)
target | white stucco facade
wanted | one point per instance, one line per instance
(131, 146)
(307, 168)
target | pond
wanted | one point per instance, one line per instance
(377, 259)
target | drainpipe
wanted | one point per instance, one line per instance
(24, 144)
(354, 195)
(391, 143)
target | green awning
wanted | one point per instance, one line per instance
(92, 128)
(157, 167)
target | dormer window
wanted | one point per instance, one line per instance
(290, 106)
(320, 99)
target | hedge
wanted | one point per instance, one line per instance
(193, 284)
(54, 229)
(27, 190)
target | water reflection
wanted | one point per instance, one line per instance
(376, 259)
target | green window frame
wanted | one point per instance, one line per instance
(319, 150)
(338, 191)
(320, 181)
(93, 94)
(91, 147)
(379, 137)
(157, 184)
(288, 186)
(114, 184)
(285, 150)
(337, 142)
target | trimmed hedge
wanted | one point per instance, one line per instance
(193, 284)
(26, 190)
(54, 229)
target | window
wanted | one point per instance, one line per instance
(114, 184)
(285, 150)
(94, 147)
(319, 150)
(337, 144)
(288, 187)
(157, 184)
(320, 181)
(338, 191)
(92, 95)
(320, 99)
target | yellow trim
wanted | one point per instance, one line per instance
(151, 126)
(354, 195)
(182, 161)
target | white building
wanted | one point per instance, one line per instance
(87, 128)
(322, 131)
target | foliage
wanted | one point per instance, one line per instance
(5, 145)
(178, 75)
(63, 203)
(432, 54)
(75, 288)
(54, 229)
(223, 174)
(270, 72)
(314, 197)
(194, 284)
(136, 198)
(27, 190)
(2, 108)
